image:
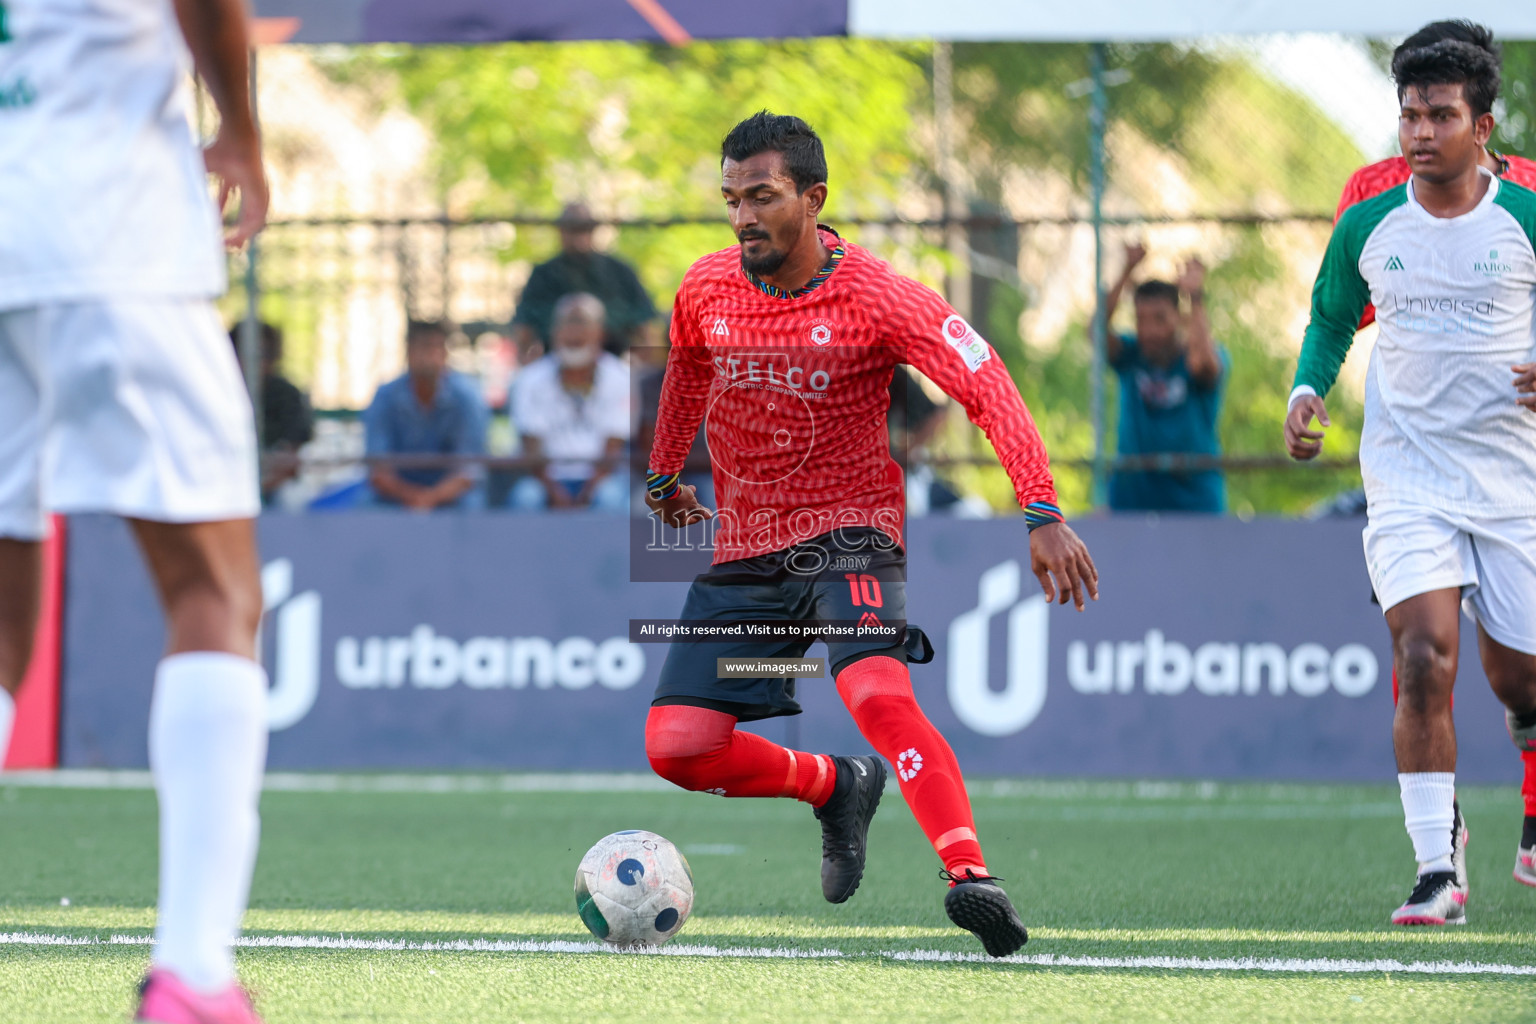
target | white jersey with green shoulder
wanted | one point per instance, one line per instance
(102, 187)
(1454, 300)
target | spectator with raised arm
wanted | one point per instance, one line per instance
(430, 411)
(1172, 375)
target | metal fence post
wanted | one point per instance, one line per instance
(250, 326)
(1098, 114)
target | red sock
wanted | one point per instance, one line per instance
(702, 750)
(878, 691)
(1528, 790)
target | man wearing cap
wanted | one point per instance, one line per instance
(579, 268)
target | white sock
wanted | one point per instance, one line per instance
(1428, 811)
(207, 747)
(7, 716)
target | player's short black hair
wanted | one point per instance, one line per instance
(1151, 291)
(271, 339)
(421, 330)
(804, 159)
(1480, 36)
(1450, 62)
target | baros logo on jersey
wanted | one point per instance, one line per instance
(1154, 664)
(424, 659)
(962, 337)
(1492, 267)
(821, 334)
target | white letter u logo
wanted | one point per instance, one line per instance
(296, 672)
(975, 703)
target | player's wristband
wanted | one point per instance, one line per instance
(662, 486)
(1041, 513)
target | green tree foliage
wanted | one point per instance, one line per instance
(1516, 132)
(1244, 143)
(524, 127)
(636, 129)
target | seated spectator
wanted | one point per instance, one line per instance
(571, 409)
(578, 267)
(287, 422)
(429, 411)
(1172, 374)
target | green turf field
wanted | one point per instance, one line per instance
(362, 885)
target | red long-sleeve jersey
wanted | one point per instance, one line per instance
(1374, 179)
(794, 395)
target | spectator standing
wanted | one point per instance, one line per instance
(429, 411)
(571, 409)
(287, 421)
(1172, 375)
(578, 268)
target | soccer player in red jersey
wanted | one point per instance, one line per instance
(787, 343)
(1374, 179)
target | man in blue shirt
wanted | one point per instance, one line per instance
(1172, 374)
(429, 411)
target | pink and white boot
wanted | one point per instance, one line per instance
(166, 999)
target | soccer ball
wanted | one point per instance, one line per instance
(634, 889)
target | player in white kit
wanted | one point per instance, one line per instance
(1448, 447)
(119, 393)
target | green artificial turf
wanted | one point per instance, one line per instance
(1098, 870)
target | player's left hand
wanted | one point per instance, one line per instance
(680, 509)
(1060, 561)
(236, 162)
(1192, 280)
(1525, 384)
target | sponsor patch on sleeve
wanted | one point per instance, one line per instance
(962, 337)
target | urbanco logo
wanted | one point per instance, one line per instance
(975, 703)
(1154, 666)
(296, 663)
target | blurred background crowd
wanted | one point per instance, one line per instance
(462, 295)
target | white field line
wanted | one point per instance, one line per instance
(1211, 798)
(1294, 965)
(393, 782)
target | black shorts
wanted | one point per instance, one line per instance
(858, 573)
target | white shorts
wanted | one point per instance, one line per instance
(1412, 550)
(129, 406)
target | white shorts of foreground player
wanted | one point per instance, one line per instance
(127, 406)
(1412, 550)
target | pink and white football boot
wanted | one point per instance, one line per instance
(166, 999)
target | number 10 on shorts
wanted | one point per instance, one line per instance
(864, 589)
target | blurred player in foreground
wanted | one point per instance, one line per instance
(119, 393)
(788, 342)
(1376, 178)
(1448, 448)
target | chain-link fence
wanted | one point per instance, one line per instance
(393, 177)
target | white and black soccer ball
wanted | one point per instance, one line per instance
(633, 889)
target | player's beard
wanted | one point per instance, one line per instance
(760, 266)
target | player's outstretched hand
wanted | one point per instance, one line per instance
(1061, 563)
(1300, 439)
(1525, 384)
(236, 162)
(680, 509)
